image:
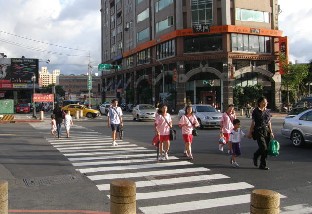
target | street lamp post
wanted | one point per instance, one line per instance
(33, 79)
(163, 78)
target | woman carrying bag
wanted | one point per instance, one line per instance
(188, 122)
(163, 124)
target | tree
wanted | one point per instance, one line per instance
(58, 90)
(247, 94)
(293, 78)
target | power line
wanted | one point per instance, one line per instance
(38, 41)
(39, 49)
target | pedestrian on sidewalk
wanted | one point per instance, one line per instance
(53, 125)
(226, 126)
(68, 122)
(59, 116)
(262, 128)
(114, 119)
(235, 139)
(188, 122)
(163, 123)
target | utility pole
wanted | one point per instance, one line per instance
(89, 81)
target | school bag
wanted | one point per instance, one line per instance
(273, 149)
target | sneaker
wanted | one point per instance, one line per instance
(160, 158)
(221, 147)
(114, 143)
(191, 157)
(166, 156)
(235, 164)
(185, 154)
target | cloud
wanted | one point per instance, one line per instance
(71, 26)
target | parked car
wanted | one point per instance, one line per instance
(22, 108)
(206, 115)
(298, 128)
(73, 108)
(104, 108)
(305, 102)
(144, 112)
(296, 111)
(129, 107)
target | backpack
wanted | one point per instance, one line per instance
(273, 149)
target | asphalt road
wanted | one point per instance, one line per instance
(47, 174)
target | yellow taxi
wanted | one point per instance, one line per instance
(73, 108)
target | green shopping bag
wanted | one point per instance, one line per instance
(273, 149)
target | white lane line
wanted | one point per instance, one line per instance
(297, 209)
(169, 181)
(93, 147)
(81, 141)
(127, 155)
(109, 162)
(137, 167)
(88, 144)
(111, 151)
(74, 140)
(196, 205)
(194, 190)
(149, 173)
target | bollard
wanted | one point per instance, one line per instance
(264, 202)
(77, 114)
(4, 197)
(242, 112)
(41, 115)
(123, 197)
(81, 113)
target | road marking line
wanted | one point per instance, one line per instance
(297, 209)
(58, 211)
(149, 173)
(95, 147)
(109, 162)
(108, 152)
(194, 190)
(89, 144)
(127, 155)
(169, 181)
(137, 167)
(74, 141)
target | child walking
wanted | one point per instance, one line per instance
(187, 123)
(53, 125)
(235, 139)
(68, 122)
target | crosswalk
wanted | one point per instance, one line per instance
(173, 186)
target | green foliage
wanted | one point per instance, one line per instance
(247, 94)
(58, 89)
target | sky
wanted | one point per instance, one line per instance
(68, 32)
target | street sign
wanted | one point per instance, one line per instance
(89, 82)
(102, 67)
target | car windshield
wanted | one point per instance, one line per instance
(23, 105)
(205, 109)
(146, 107)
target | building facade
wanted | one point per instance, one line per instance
(45, 78)
(76, 87)
(190, 51)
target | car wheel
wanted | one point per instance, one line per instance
(200, 124)
(89, 115)
(138, 117)
(297, 139)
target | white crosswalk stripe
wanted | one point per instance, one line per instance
(92, 153)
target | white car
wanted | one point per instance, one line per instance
(206, 115)
(104, 108)
(144, 112)
(298, 128)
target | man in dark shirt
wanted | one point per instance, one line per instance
(262, 128)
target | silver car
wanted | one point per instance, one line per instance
(298, 128)
(144, 112)
(206, 115)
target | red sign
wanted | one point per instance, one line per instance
(43, 98)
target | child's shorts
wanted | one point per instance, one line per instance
(236, 149)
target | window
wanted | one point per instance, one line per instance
(251, 43)
(163, 25)
(202, 43)
(252, 15)
(165, 49)
(143, 15)
(129, 61)
(161, 4)
(139, 1)
(143, 35)
(201, 12)
(144, 56)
